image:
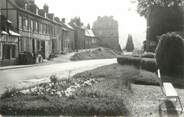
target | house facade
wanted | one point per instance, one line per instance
(24, 28)
(9, 37)
(90, 39)
(79, 37)
(36, 30)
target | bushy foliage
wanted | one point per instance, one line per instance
(53, 79)
(26, 58)
(148, 55)
(77, 21)
(129, 60)
(145, 5)
(143, 63)
(51, 105)
(149, 64)
(170, 54)
(10, 93)
(129, 45)
(52, 55)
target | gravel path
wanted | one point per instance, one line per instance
(145, 102)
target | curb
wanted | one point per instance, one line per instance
(21, 66)
(16, 68)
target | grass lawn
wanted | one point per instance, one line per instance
(118, 91)
(125, 72)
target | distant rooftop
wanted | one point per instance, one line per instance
(89, 33)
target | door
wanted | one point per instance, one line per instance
(43, 49)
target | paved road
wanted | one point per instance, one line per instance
(24, 77)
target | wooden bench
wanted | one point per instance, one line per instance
(169, 90)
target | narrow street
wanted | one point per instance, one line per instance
(24, 77)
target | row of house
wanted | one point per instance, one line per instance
(26, 28)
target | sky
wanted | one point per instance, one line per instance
(124, 11)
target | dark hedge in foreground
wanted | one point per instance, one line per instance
(148, 64)
(170, 54)
(52, 105)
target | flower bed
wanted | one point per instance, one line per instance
(63, 88)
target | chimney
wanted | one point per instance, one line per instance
(46, 8)
(37, 11)
(63, 20)
(25, 6)
(33, 8)
(53, 17)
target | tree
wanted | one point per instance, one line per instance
(130, 45)
(169, 54)
(144, 6)
(77, 21)
(89, 27)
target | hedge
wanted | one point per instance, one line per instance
(148, 64)
(148, 55)
(170, 54)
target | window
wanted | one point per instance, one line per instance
(0, 50)
(40, 28)
(9, 51)
(6, 52)
(28, 25)
(13, 51)
(20, 22)
(24, 23)
(31, 25)
(44, 28)
(36, 26)
(54, 31)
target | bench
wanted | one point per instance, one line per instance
(169, 90)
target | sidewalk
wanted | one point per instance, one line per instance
(60, 59)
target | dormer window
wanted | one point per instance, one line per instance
(25, 6)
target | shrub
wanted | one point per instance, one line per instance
(148, 55)
(51, 56)
(26, 58)
(143, 63)
(10, 93)
(54, 106)
(53, 79)
(169, 54)
(149, 64)
(129, 45)
(129, 60)
(137, 52)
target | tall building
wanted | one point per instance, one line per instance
(106, 30)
